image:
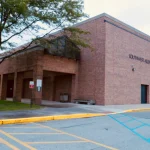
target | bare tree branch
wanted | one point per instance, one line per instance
(9, 25)
(28, 45)
(19, 32)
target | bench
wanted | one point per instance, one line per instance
(80, 101)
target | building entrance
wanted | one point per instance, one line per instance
(144, 94)
(10, 88)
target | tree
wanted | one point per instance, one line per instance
(20, 16)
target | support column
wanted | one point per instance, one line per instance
(18, 85)
(3, 86)
(53, 88)
(15, 85)
(74, 88)
(37, 95)
(0, 86)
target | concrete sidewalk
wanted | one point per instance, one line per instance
(56, 108)
(49, 109)
(117, 108)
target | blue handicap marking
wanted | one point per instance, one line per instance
(136, 124)
(119, 116)
(138, 127)
(128, 121)
(148, 140)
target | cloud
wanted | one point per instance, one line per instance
(133, 12)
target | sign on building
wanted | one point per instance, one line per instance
(39, 84)
(31, 84)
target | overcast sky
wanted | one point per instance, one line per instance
(133, 12)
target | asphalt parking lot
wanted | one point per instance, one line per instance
(128, 131)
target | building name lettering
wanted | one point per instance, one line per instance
(141, 59)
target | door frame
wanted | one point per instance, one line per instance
(146, 92)
(10, 84)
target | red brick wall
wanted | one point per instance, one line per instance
(4, 86)
(35, 61)
(0, 85)
(92, 64)
(58, 64)
(28, 61)
(62, 85)
(122, 85)
(47, 89)
(104, 74)
(26, 92)
(22, 62)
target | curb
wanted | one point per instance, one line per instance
(48, 118)
(137, 110)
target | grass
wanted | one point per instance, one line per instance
(8, 105)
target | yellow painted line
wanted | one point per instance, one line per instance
(58, 142)
(18, 141)
(8, 144)
(34, 133)
(78, 137)
(48, 118)
(137, 110)
(74, 116)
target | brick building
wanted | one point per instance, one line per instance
(116, 72)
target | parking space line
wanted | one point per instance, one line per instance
(34, 133)
(137, 120)
(119, 116)
(138, 127)
(128, 121)
(17, 140)
(132, 130)
(78, 137)
(58, 142)
(8, 144)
